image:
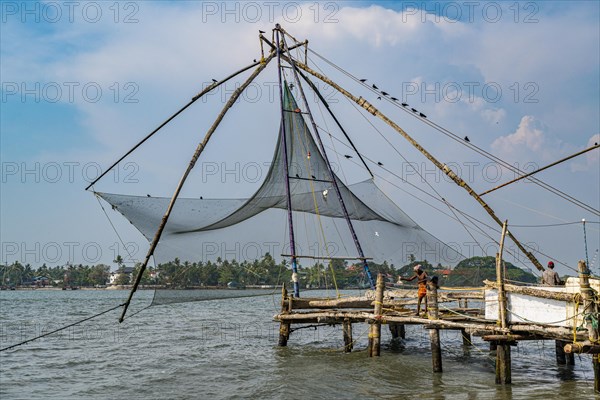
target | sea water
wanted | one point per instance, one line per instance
(226, 349)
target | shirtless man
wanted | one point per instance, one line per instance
(421, 277)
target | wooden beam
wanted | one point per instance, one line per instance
(582, 348)
(532, 291)
(443, 167)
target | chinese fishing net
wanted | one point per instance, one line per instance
(242, 239)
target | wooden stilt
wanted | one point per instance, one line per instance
(398, 330)
(347, 331)
(503, 363)
(466, 338)
(394, 330)
(375, 327)
(434, 334)
(284, 327)
(570, 359)
(503, 369)
(590, 314)
(596, 366)
(561, 358)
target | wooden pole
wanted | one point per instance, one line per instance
(397, 330)
(347, 331)
(590, 314)
(466, 338)
(375, 327)
(502, 306)
(172, 117)
(434, 334)
(561, 358)
(199, 149)
(541, 169)
(443, 167)
(503, 362)
(334, 181)
(284, 327)
(503, 367)
(286, 171)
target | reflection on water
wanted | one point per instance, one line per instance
(228, 349)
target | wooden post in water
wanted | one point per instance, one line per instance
(397, 330)
(284, 327)
(434, 334)
(466, 338)
(503, 362)
(347, 331)
(561, 358)
(375, 327)
(590, 314)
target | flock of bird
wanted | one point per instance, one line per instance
(386, 94)
(405, 105)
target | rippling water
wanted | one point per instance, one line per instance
(228, 349)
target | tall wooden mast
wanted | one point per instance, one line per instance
(286, 172)
(443, 167)
(361, 254)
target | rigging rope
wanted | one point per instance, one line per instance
(463, 213)
(469, 145)
(61, 329)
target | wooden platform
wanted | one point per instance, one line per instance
(450, 311)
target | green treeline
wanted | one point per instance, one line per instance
(266, 271)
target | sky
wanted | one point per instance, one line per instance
(82, 82)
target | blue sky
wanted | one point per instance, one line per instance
(82, 83)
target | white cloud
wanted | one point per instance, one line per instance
(527, 141)
(592, 158)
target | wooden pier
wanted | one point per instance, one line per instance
(379, 308)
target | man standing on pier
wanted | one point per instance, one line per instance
(550, 276)
(421, 277)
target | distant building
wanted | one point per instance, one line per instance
(114, 275)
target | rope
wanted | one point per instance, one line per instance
(113, 226)
(465, 214)
(61, 329)
(471, 146)
(308, 165)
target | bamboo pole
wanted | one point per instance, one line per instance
(434, 334)
(172, 117)
(191, 165)
(375, 327)
(287, 174)
(326, 158)
(540, 169)
(443, 167)
(337, 122)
